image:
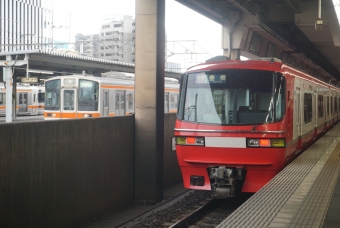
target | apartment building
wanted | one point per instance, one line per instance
(88, 45)
(117, 40)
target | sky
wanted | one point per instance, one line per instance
(181, 23)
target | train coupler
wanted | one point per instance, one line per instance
(223, 181)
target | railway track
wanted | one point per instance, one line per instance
(197, 209)
(211, 214)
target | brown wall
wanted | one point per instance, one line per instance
(172, 172)
(62, 173)
(59, 173)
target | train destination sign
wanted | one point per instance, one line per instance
(29, 80)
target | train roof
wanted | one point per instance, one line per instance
(270, 64)
(21, 86)
(307, 69)
(117, 78)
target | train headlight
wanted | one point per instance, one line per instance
(195, 141)
(87, 115)
(51, 114)
(266, 143)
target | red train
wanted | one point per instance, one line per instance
(239, 123)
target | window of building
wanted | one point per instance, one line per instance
(117, 25)
(308, 112)
(106, 26)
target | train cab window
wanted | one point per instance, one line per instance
(2, 98)
(52, 90)
(233, 97)
(88, 95)
(307, 107)
(68, 100)
(320, 106)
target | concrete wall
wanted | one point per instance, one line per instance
(62, 173)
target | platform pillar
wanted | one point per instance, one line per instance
(232, 34)
(149, 100)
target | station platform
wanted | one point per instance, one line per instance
(304, 194)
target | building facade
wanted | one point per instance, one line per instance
(87, 45)
(25, 24)
(117, 40)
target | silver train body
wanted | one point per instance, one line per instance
(79, 96)
(29, 100)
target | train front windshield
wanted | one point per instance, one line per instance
(52, 90)
(88, 95)
(232, 97)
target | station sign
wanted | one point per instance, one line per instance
(29, 80)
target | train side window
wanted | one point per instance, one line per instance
(331, 105)
(335, 105)
(327, 105)
(130, 100)
(172, 101)
(2, 98)
(308, 111)
(34, 98)
(41, 97)
(320, 106)
(176, 100)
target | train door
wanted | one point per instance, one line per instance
(166, 102)
(297, 113)
(34, 103)
(22, 103)
(129, 102)
(120, 103)
(69, 109)
(106, 102)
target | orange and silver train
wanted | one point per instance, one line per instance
(29, 100)
(79, 96)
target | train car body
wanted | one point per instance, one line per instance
(239, 123)
(78, 96)
(29, 100)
